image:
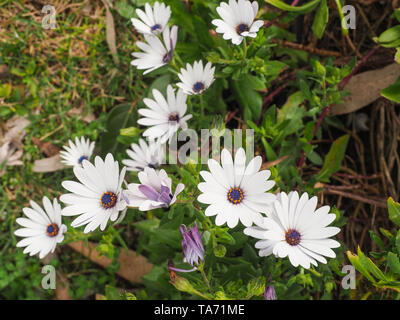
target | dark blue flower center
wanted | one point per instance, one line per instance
(156, 27)
(52, 230)
(292, 237)
(240, 28)
(198, 86)
(108, 200)
(235, 195)
(82, 158)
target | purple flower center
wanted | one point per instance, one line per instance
(174, 117)
(108, 200)
(155, 27)
(235, 195)
(198, 86)
(292, 237)
(240, 28)
(82, 158)
(52, 230)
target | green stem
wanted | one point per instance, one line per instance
(201, 268)
(244, 48)
(201, 105)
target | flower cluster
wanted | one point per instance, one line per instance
(234, 190)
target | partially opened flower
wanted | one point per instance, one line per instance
(294, 228)
(192, 247)
(238, 20)
(156, 53)
(96, 198)
(42, 229)
(235, 191)
(164, 116)
(77, 152)
(153, 191)
(269, 292)
(144, 155)
(196, 79)
(153, 20)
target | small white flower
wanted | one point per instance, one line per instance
(154, 20)
(156, 53)
(153, 191)
(42, 229)
(77, 152)
(195, 79)
(235, 191)
(97, 198)
(295, 229)
(238, 20)
(164, 116)
(144, 155)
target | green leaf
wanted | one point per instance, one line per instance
(390, 37)
(398, 242)
(5, 90)
(333, 160)
(248, 98)
(125, 10)
(120, 117)
(393, 262)
(394, 211)
(321, 19)
(392, 92)
(355, 261)
(309, 6)
(370, 266)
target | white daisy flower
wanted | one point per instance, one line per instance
(196, 79)
(42, 229)
(295, 229)
(153, 191)
(97, 197)
(77, 152)
(235, 191)
(156, 53)
(154, 20)
(144, 155)
(165, 116)
(238, 20)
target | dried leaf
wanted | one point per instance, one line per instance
(110, 33)
(47, 148)
(365, 88)
(48, 164)
(78, 112)
(132, 266)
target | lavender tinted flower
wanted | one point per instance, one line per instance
(192, 245)
(269, 292)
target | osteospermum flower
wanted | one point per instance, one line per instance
(192, 247)
(295, 229)
(153, 191)
(196, 79)
(238, 20)
(154, 20)
(165, 116)
(77, 152)
(96, 198)
(42, 229)
(156, 53)
(144, 155)
(235, 191)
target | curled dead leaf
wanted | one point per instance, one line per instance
(132, 266)
(48, 164)
(365, 88)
